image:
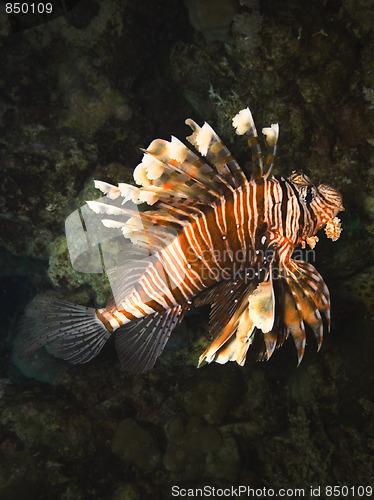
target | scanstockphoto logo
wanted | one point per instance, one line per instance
(108, 237)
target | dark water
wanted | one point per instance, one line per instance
(81, 89)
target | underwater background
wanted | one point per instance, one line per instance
(81, 90)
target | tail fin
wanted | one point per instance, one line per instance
(73, 332)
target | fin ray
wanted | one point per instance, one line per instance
(217, 154)
(140, 343)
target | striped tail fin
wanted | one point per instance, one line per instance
(76, 334)
(73, 332)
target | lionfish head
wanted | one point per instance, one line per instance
(324, 203)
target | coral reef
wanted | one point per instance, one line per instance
(136, 445)
(212, 18)
(79, 95)
(198, 451)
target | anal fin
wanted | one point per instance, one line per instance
(235, 347)
(255, 313)
(141, 342)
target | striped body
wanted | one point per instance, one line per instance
(210, 235)
(218, 243)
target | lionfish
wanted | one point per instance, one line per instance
(209, 235)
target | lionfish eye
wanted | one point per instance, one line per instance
(307, 194)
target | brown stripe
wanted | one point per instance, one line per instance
(260, 206)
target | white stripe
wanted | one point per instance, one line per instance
(113, 322)
(278, 197)
(195, 244)
(242, 218)
(130, 306)
(176, 254)
(121, 317)
(147, 285)
(293, 213)
(188, 271)
(222, 227)
(237, 218)
(173, 269)
(223, 205)
(140, 303)
(252, 211)
(208, 240)
(162, 285)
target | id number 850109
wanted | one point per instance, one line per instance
(28, 8)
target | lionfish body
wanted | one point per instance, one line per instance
(209, 236)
